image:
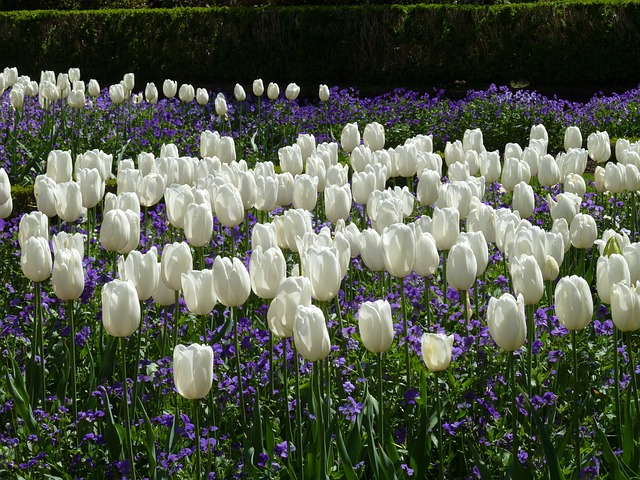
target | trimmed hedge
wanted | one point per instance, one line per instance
(9, 5)
(546, 44)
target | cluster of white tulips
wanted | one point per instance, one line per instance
(319, 206)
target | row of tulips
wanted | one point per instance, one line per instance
(318, 225)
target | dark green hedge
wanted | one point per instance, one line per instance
(544, 43)
(9, 5)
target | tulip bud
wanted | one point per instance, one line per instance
(292, 91)
(609, 271)
(550, 269)
(373, 136)
(321, 265)
(572, 138)
(527, 278)
(350, 137)
(35, 259)
(68, 201)
(583, 231)
(142, 270)
(292, 291)
(193, 370)
(16, 97)
(323, 93)
(120, 308)
(461, 267)
(490, 166)
(267, 270)
(228, 206)
(290, 158)
(68, 274)
(59, 165)
(310, 333)
(221, 105)
(273, 91)
(197, 287)
(523, 200)
(371, 250)
(258, 87)
(625, 306)
(198, 224)
(573, 302)
(337, 202)
(376, 325)
(399, 249)
(436, 351)
(175, 260)
(169, 88)
(116, 93)
(238, 92)
(507, 321)
(202, 96)
(445, 227)
(186, 93)
(93, 87)
(599, 146)
(231, 281)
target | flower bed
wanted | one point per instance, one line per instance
(437, 290)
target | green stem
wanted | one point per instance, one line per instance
(176, 318)
(236, 345)
(134, 401)
(576, 407)
(632, 367)
(427, 302)
(530, 340)
(320, 418)
(514, 410)
(299, 447)
(445, 286)
(439, 406)
(285, 393)
(72, 340)
(407, 357)
(271, 367)
(381, 397)
(616, 390)
(196, 417)
(123, 371)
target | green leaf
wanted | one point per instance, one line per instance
(609, 456)
(345, 459)
(114, 434)
(551, 455)
(482, 468)
(20, 397)
(612, 247)
(151, 441)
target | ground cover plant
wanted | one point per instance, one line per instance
(399, 286)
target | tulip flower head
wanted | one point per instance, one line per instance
(292, 291)
(573, 302)
(199, 295)
(231, 281)
(310, 333)
(68, 274)
(375, 324)
(436, 351)
(35, 259)
(323, 93)
(120, 308)
(193, 370)
(507, 321)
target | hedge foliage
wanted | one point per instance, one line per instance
(8, 5)
(545, 43)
